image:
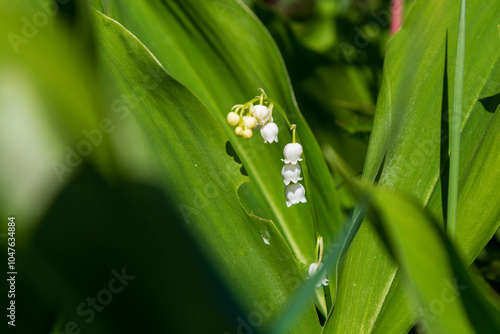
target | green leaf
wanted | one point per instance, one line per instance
(223, 54)
(187, 160)
(450, 299)
(409, 150)
(456, 127)
(419, 249)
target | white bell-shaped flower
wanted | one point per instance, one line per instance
(269, 132)
(292, 153)
(261, 113)
(291, 173)
(295, 193)
(313, 269)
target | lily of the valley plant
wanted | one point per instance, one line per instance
(250, 116)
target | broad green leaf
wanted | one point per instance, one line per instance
(420, 251)
(49, 97)
(450, 299)
(409, 148)
(432, 269)
(187, 160)
(223, 54)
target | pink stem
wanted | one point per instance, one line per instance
(396, 15)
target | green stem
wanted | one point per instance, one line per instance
(451, 224)
(319, 249)
(248, 106)
(305, 171)
(303, 164)
(280, 110)
(252, 101)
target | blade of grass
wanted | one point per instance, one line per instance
(456, 126)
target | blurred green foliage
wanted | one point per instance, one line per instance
(119, 166)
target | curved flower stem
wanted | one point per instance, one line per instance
(278, 107)
(319, 249)
(250, 108)
(295, 138)
(307, 181)
(239, 109)
(252, 101)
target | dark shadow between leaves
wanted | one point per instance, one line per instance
(101, 238)
(232, 153)
(490, 103)
(380, 169)
(444, 167)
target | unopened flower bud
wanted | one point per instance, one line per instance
(247, 133)
(233, 118)
(249, 122)
(239, 131)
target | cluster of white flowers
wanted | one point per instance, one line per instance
(257, 114)
(248, 117)
(294, 191)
